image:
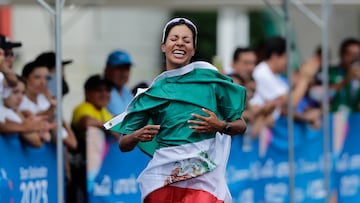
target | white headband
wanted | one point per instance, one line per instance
(176, 20)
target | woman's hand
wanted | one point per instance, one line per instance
(213, 124)
(147, 133)
(207, 124)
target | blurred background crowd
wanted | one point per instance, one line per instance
(257, 61)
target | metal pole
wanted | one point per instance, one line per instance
(325, 100)
(46, 6)
(307, 12)
(59, 141)
(290, 115)
(275, 9)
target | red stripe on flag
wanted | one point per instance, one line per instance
(171, 194)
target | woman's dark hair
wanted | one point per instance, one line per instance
(179, 21)
(30, 67)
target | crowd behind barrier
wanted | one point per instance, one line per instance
(258, 170)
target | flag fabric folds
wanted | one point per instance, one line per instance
(183, 160)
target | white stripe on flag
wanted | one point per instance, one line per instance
(173, 164)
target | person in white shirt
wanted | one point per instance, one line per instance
(8, 50)
(7, 76)
(11, 103)
(272, 89)
(37, 98)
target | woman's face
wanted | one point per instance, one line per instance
(36, 82)
(14, 99)
(178, 47)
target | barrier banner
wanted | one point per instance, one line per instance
(242, 173)
(258, 170)
(111, 174)
(308, 165)
(27, 174)
(347, 177)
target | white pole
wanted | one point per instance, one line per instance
(325, 102)
(59, 141)
(290, 110)
(232, 31)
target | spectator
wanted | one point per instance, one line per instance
(49, 59)
(37, 97)
(309, 107)
(69, 139)
(8, 49)
(93, 112)
(271, 89)
(8, 79)
(355, 93)
(90, 113)
(244, 62)
(342, 78)
(117, 71)
(12, 101)
(7, 76)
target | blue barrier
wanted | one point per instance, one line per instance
(111, 177)
(347, 178)
(258, 170)
(116, 180)
(261, 174)
(27, 175)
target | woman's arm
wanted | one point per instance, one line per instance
(236, 127)
(70, 141)
(9, 74)
(144, 134)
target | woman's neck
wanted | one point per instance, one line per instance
(173, 66)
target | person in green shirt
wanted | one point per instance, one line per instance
(183, 120)
(343, 79)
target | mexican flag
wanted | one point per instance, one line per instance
(185, 166)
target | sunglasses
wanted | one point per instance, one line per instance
(9, 54)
